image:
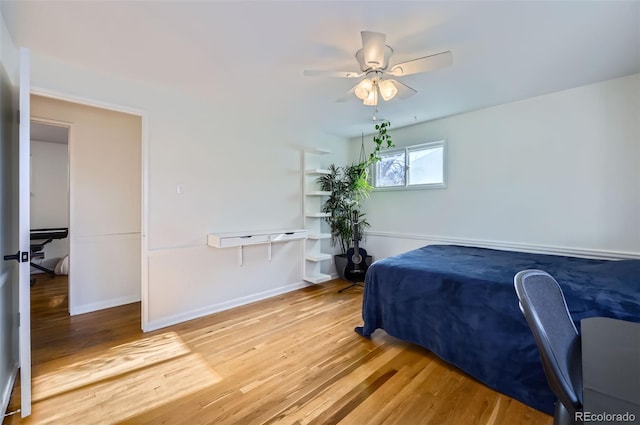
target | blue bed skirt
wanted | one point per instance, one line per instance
(460, 303)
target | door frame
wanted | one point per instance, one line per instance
(144, 266)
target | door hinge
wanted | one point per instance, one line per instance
(18, 314)
(18, 116)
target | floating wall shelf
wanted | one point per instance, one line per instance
(318, 257)
(318, 215)
(316, 236)
(241, 239)
(318, 171)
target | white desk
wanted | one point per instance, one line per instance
(241, 239)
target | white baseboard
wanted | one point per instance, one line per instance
(513, 246)
(115, 302)
(6, 392)
(152, 325)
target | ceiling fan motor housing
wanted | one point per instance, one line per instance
(377, 63)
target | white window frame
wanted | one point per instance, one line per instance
(406, 150)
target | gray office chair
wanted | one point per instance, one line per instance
(546, 312)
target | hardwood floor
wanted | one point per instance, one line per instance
(291, 359)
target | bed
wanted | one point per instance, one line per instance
(459, 303)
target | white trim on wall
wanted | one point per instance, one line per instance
(54, 94)
(226, 305)
(115, 302)
(144, 246)
(513, 246)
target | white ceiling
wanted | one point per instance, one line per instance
(253, 54)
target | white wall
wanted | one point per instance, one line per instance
(236, 173)
(50, 195)
(559, 172)
(8, 242)
(105, 186)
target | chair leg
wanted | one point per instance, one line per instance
(44, 269)
(562, 416)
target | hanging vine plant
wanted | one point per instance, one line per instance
(348, 186)
(381, 140)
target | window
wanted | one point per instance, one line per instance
(415, 167)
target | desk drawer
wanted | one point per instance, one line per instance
(243, 240)
(229, 241)
(287, 236)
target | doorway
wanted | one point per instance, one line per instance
(104, 201)
(49, 198)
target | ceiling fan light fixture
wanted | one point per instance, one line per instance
(363, 89)
(373, 59)
(388, 90)
(372, 99)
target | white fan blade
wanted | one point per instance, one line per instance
(427, 63)
(350, 95)
(404, 91)
(338, 74)
(373, 48)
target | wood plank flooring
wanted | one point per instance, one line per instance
(291, 359)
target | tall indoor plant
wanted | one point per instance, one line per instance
(348, 185)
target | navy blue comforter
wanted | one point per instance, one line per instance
(460, 303)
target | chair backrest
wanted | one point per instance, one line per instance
(546, 312)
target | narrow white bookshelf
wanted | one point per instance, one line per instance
(313, 198)
(317, 215)
(318, 171)
(318, 236)
(318, 257)
(318, 278)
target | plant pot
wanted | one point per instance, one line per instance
(340, 261)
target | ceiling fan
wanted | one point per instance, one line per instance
(374, 66)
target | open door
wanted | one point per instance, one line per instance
(24, 237)
(21, 222)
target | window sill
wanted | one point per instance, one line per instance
(413, 187)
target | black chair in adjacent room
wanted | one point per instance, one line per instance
(545, 309)
(40, 238)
